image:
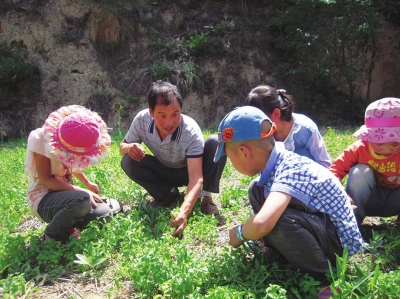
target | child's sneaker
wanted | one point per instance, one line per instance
(326, 292)
(267, 253)
(74, 232)
(44, 238)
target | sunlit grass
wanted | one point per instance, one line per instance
(137, 248)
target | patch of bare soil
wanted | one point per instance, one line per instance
(76, 286)
(374, 223)
(29, 224)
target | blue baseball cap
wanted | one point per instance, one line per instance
(241, 124)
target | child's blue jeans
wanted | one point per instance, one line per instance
(370, 199)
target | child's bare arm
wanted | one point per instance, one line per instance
(84, 180)
(262, 223)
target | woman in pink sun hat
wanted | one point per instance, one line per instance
(373, 162)
(71, 139)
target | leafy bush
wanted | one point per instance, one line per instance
(180, 73)
(198, 43)
(161, 71)
(319, 46)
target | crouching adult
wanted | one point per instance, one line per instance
(179, 156)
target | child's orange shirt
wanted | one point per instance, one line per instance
(386, 169)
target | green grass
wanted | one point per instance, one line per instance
(135, 256)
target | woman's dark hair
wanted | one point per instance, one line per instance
(163, 93)
(267, 98)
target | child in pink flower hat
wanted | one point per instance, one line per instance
(373, 162)
(71, 139)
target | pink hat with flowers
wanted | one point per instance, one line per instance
(77, 136)
(382, 122)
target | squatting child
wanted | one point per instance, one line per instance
(71, 139)
(300, 208)
(373, 162)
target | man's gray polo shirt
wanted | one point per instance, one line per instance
(186, 142)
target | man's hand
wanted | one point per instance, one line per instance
(136, 151)
(180, 222)
(233, 240)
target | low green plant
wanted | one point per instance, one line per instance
(15, 286)
(190, 72)
(92, 265)
(275, 291)
(233, 199)
(179, 72)
(375, 245)
(198, 43)
(160, 70)
(137, 250)
(173, 48)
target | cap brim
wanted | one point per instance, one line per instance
(378, 135)
(220, 151)
(361, 133)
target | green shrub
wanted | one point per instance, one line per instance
(179, 72)
(161, 71)
(198, 43)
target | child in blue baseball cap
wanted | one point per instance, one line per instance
(300, 208)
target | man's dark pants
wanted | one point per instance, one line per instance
(158, 179)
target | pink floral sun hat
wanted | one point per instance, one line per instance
(382, 122)
(77, 136)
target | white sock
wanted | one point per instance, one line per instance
(205, 193)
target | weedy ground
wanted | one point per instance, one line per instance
(135, 256)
